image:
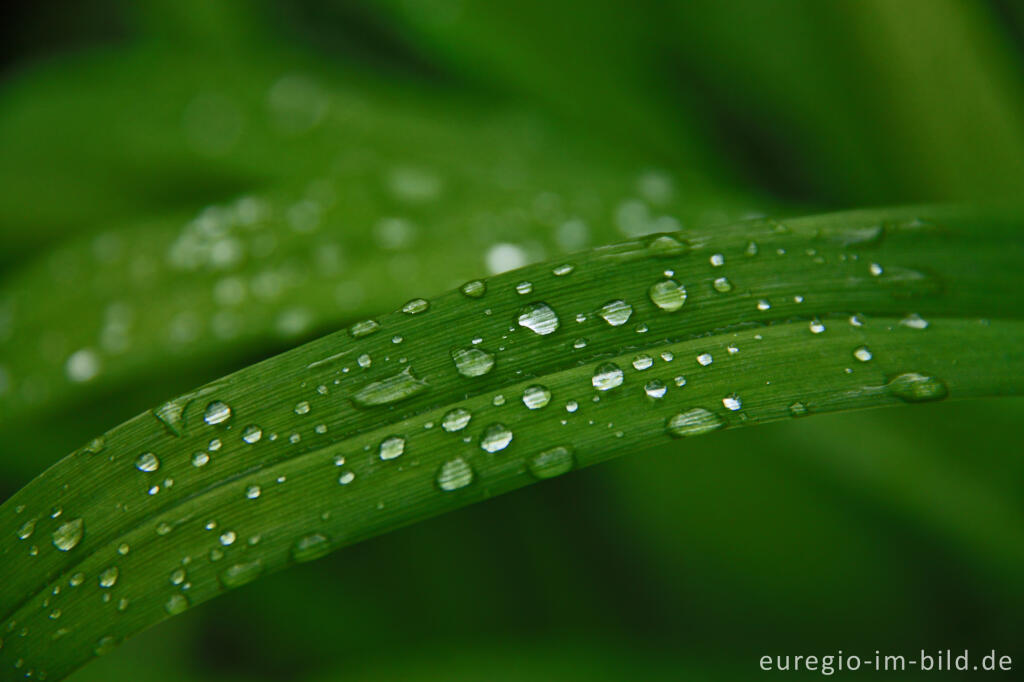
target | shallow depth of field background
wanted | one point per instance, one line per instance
(893, 530)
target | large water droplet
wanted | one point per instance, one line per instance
(392, 447)
(536, 397)
(616, 313)
(474, 289)
(68, 535)
(309, 547)
(364, 328)
(693, 422)
(642, 362)
(552, 462)
(217, 412)
(495, 437)
(177, 603)
(655, 388)
(472, 362)
(454, 474)
(147, 462)
(607, 376)
(538, 318)
(390, 390)
(416, 306)
(668, 295)
(456, 420)
(240, 574)
(914, 387)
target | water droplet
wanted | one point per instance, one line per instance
(108, 577)
(26, 529)
(732, 402)
(538, 318)
(572, 406)
(668, 295)
(104, 645)
(722, 285)
(178, 576)
(607, 377)
(732, 349)
(524, 288)
(147, 462)
(302, 407)
(914, 321)
(474, 289)
(875, 269)
(798, 409)
(252, 492)
(455, 474)
(456, 420)
(665, 246)
(364, 360)
(563, 270)
(163, 528)
(217, 412)
(392, 447)
(498, 400)
(552, 462)
(68, 534)
(693, 422)
(200, 459)
(215, 445)
(655, 388)
(364, 328)
(914, 387)
(472, 362)
(705, 359)
(536, 397)
(667, 356)
(76, 580)
(240, 574)
(177, 603)
(717, 260)
(252, 434)
(416, 306)
(346, 478)
(579, 343)
(763, 305)
(817, 327)
(393, 389)
(616, 313)
(228, 538)
(862, 353)
(309, 547)
(751, 249)
(642, 362)
(495, 437)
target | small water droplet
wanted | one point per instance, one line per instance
(607, 376)
(147, 462)
(108, 577)
(717, 260)
(178, 576)
(495, 437)
(472, 362)
(252, 434)
(914, 321)
(455, 474)
(163, 528)
(722, 285)
(474, 289)
(665, 246)
(237, 575)
(177, 603)
(914, 387)
(200, 459)
(68, 535)
(862, 353)
(524, 288)
(551, 462)
(363, 328)
(104, 645)
(579, 343)
(705, 359)
(642, 362)
(215, 445)
(416, 306)
(456, 420)
(668, 295)
(252, 492)
(667, 356)
(302, 407)
(346, 478)
(732, 402)
(217, 412)
(309, 547)
(572, 406)
(392, 447)
(751, 249)
(364, 360)
(655, 388)
(536, 397)
(763, 305)
(798, 409)
(228, 538)
(875, 269)
(498, 400)
(616, 313)
(26, 529)
(563, 270)
(693, 422)
(817, 327)
(393, 389)
(538, 318)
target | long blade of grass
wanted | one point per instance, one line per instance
(505, 381)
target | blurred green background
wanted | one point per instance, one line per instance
(396, 148)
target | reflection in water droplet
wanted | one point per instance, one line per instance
(217, 412)
(552, 462)
(655, 388)
(914, 321)
(456, 420)
(616, 313)
(495, 437)
(346, 478)
(667, 294)
(717, 260)
(454, 474)
(228, 538)
(763, 305)
(607, 376)
(536, 397)
(693, 422)
(538, 318)
(68, 534)
(147, 462)
(364, 360)
(392, 447)
(309, 547)
(914, 387)
(524, 288)
(572, 406)
(472, 362)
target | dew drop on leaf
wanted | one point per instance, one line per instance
(722, 285)
(552, 462)
(309, 547)
(217, 412)
(456, 419)
(391, 447)
(363, 328)
(393, 389)
(642, 362)
(536, 397)
(147, 462)
(616, 313)
(693, 423)
(454, 474)
(472, 362)
(177, 603)
(239, 574)
(655, 388)
(914, 387)
(416, 306)
(108, 577)
(474, 289)
(667, 294)
(68, 534)
(607, 376)
(495, 437)
(524, 288)
(252, 434)
(862, 353)
(538, 318)
(732, 402)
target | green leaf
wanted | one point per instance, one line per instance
(521, 377)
